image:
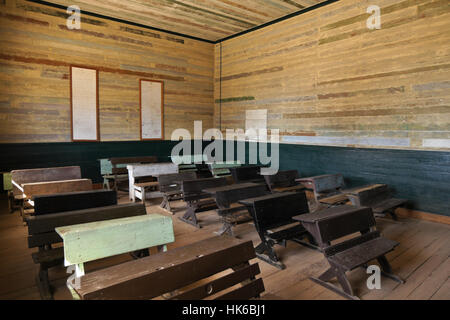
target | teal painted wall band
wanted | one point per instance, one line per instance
(420, 176)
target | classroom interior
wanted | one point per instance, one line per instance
(310, 138)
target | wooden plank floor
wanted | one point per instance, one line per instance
(422, 259)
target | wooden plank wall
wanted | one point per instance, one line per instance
(37, 49)
(327, 79)
(211, 19)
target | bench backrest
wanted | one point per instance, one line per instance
(276, 210)
(246, 173)
(329, 182)
(46, 174)
(370, 196)
(151, 169)
(20, 177)
(225, 199)
(188, 162)
(184, 268)
(7, 184)
(172, 182)
(41, 229)
(189, 159)
(119, 165)
(219, 169)
(192, 189)
(101, 239)
(203, 171)
(71, 201)
(53, 187)
(282, 179)
(127, 160)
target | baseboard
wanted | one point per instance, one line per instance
(408, 213)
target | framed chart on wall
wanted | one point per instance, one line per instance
(152, 109)
(84, 104)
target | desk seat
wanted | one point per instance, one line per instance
(386, 205)
(363, 253)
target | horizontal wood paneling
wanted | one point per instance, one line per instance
(327, 79)
(207, 19)
(38, 49)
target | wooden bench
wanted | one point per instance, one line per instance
(21, 177)
(272, 212)
(221, 169)
(188, 162)
(203, 171)
(115, 169)
(249, 173)
(334, 223)
(170, 187)
(186, 273)
(92, 241)
(51, 187)
(196, 199)
(142, 190)
(327, 188)
(284, 181)
(227, 197)
(71, 201)
(13, 203)
(379, 198)
(42, 235)
(54, 187)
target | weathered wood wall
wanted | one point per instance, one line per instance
(207, 19)
(37, 50)
(327, 79)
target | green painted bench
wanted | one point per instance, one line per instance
(221, 169)
(97, 240)
(13, 204)
(42, 235)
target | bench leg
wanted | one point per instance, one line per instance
(335, 271)
(162, 248)
(143, 195)
(334, 288)
(393, 214)
(386, 270)
(43, 284)
(328, 275)
(265, 252)
(11, 200)
(165, 204)
(343, 281)
(115, 184)
(226, 228)
(190, 216)
(140, 254)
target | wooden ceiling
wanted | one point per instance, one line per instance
(207, 19)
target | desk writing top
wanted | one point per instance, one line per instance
(231, 187)
(251, 201)
(327, 214)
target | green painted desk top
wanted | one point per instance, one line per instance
(97, 240)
